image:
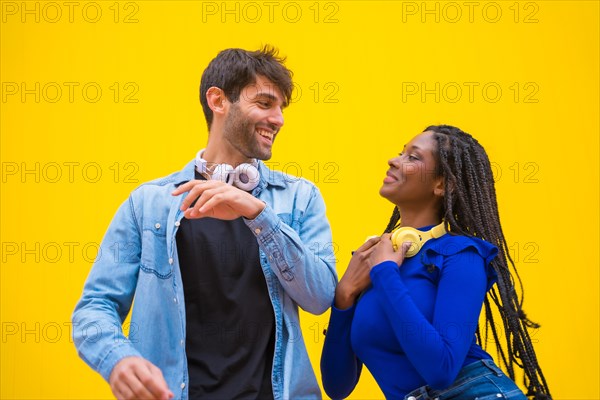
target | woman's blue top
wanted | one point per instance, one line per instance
(416, 324)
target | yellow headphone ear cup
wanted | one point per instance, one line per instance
(407, 234)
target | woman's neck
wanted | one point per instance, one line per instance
(418, 219)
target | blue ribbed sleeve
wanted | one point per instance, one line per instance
(340, 368)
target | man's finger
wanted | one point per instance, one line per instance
(194, 196)
(139, 390)
(166, 394)
(123, 392)
(202, 193)
(157, 385)
(191, 197)
(192, 213)
(142, 386)
(186, 187)
(207, 195)
(195, 189)
(210, 204)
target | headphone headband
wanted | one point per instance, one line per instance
(245, 176)
(439, 230)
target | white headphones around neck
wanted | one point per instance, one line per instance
(245, 176)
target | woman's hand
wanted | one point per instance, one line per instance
(356, 278)
(384, 251)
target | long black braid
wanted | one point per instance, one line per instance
(470, 208)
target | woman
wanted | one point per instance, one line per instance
(413, 319)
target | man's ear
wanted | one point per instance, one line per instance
(216, 99)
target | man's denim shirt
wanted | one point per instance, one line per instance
(138, 257)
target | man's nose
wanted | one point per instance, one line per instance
(276, 117)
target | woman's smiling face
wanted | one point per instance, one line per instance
(412, 176)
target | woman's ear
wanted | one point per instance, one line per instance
(216, 99)
(439, 188)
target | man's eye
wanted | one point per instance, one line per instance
(413, 158)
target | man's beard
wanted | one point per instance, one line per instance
(240, 132)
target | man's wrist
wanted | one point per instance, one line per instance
(256, 209)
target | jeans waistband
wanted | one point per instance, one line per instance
(485, 365)
(490, 364)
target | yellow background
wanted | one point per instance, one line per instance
(370, 75)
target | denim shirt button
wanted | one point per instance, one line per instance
(170, 260)
(412, 398)
(183, 385)
(174, 299)
(181, 342)
(157, 225)
(257, 231)
(177, 223)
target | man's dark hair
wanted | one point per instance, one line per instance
(234, 69)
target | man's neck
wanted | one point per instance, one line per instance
(219, 151)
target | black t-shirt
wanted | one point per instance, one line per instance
(230, 321)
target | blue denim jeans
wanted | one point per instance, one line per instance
(481, 380)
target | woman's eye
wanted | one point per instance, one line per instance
(409, 156)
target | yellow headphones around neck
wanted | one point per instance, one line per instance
(417, 237)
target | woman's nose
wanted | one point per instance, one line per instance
(394, 162)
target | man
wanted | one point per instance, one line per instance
(218, 271)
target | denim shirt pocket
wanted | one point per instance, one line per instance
(154, 258)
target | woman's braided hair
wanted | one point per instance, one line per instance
(470, 208)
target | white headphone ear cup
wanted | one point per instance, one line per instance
(223, 173)
(407, 234)
(246, 177)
